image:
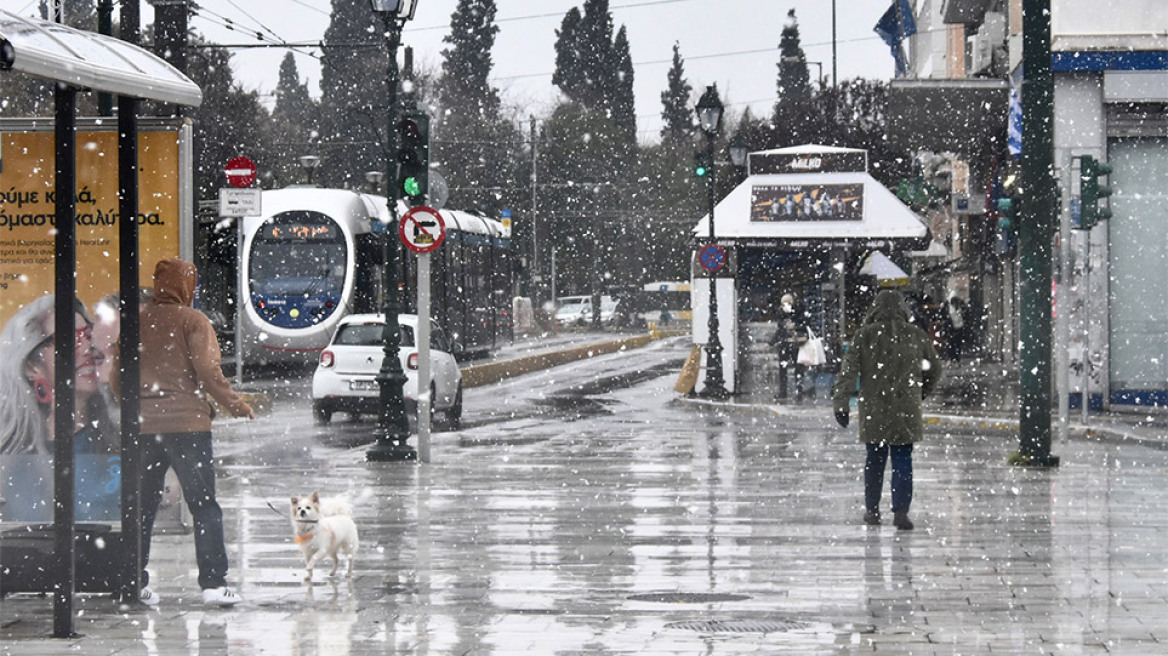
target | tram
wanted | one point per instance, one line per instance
(316, 255)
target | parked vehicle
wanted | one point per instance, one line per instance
(346, 376)
(577, 310)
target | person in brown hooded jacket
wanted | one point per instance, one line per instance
(179, 370)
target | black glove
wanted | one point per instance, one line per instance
(841, 417)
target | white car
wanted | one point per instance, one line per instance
(577, 310)
(346, 375)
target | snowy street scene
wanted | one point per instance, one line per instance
(583, 327)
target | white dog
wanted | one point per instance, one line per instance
(324, 528)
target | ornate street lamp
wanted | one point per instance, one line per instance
(309, 164)
(393, 429)
(709, 111)
(738, 151)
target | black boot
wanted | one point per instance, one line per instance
(872, 518)
(901, 521)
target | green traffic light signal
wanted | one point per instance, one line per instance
(413, 157)
(701, 164)
(1091, 192)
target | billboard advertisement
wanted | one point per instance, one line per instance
(27, 339)
(807, 202)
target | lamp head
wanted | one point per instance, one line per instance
(709, 110)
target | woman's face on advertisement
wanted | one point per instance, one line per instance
(41, 364)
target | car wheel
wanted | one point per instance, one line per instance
(321, 413)
(454, 412)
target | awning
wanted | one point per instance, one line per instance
(886, 272)
(824, 209)
(91, 61)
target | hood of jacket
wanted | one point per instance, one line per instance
(888, 306)
(174, 282)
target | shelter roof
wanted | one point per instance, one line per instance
(848, 207)
(90, 60)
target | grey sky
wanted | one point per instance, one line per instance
(731, 42)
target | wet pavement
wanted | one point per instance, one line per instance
(651, 524)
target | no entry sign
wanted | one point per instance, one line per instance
(421, 229)
(241, 172)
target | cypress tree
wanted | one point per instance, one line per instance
(676, 116)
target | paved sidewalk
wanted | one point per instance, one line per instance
(665, 527)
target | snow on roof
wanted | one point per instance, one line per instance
(882, 215)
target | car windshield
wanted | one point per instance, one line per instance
(368, 334)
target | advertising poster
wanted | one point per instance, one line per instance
(27, 339)
(802, 202)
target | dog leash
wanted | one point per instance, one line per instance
(251, 436)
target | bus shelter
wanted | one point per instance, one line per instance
(804, 222)
(77, 61)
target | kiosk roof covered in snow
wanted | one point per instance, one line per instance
(822, 194)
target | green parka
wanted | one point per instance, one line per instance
(896, 366)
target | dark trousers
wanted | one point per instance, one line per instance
(788, 355)
(902, 476)
(190, 456)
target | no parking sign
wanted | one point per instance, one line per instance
(712, 257)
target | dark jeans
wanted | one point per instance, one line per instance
(190, 455)
(902, 476)
(788, 365)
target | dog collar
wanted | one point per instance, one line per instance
(301, 539)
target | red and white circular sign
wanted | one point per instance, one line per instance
(421, 229)
(241, 172)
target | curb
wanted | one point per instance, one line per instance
(492, 372)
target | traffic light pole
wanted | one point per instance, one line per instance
(393, 429)
(1036, 232)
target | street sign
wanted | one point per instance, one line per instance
(241, 172)
(421, 229)
(239, 202)
(712, 257)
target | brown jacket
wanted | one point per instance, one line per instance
(180, 358)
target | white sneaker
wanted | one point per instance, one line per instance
(148, 597)
(224, 596)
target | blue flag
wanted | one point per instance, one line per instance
(896, 25)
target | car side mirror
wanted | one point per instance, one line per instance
(456, 348)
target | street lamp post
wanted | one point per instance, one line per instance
(709, 110)
(309, 164)
(393, 429)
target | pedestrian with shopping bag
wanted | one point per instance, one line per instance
(790, 334)
(894, 366)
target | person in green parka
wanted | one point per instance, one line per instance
(896, 367)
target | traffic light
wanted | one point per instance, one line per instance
(1004, 241)
(702, 163)
(1091, 192)
(413, 157)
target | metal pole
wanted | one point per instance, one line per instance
(64, 360)
(240, 302)
(714, 386)
(1062, 339)
(128, 333)
(1036, 230)
(1086, 394)
(393, 428)
(534, 226)
(425, 401)
(833, 45)
(128, 338)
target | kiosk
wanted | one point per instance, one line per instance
(803, 222)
